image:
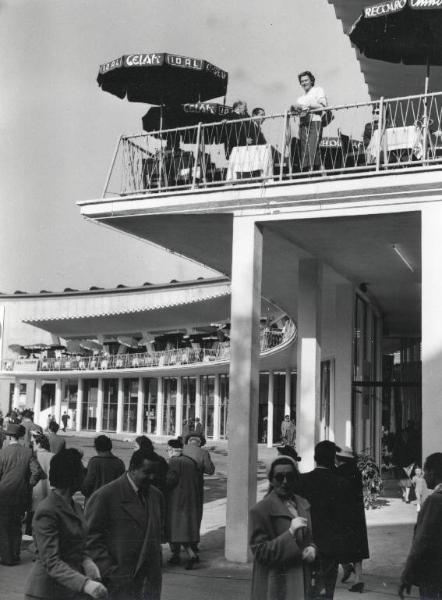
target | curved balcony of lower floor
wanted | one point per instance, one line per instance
(192, 357)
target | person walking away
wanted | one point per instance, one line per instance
(64, 419)
(357, 545)
(183, 498)
(420, 487)
(285, 426)
(19, 473)
(125, 519)
(103, 468)
(328, 495)
(197, 426)
(40, 491)
(62, 570)
(281, 537)
(56, 442)
(423, 565)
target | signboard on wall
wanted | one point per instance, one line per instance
(26, 364)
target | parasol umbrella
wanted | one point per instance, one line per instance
(401, 31)
(407, 31)
(185, 115)
(162, 78)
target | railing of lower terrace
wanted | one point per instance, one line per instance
(270, 339)
(388, 134)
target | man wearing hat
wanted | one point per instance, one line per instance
(183, 498)
(327, 493)
(192, 449)
(19, 472)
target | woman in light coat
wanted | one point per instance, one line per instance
(281, 538)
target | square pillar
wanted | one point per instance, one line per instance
(120, 405)
(270, 410)
(198, 397)
(287, 393)
(344, 317)
(79, 410)
(431, 330)
(216, 410)
(99, 426)
(58, 392)
(37, 401)
(309, 358)
(179, 406)
(16, 396)
(140, 406)
(160, 405)
(244, 384)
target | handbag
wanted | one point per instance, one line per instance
(327, 117)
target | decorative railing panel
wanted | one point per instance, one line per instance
(389, 134)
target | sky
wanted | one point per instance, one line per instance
(59, 130)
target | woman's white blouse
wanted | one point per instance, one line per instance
(315, 95)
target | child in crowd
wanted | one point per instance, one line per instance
(420, 486)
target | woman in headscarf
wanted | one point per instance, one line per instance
(281, 537)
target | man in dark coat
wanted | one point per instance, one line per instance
(423, 566)
(19, 472)
(103, 468)
(183, 498)
(328, 496)
(30, 427)
(126, 521)
(56, 442)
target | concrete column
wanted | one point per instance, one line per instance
(216, 410)
(378, 392)
(37, 402)
(120, 404)
(244, 384)
(140, 406)
(179, 406)
(79, 411)
(431, 329)
(198, 397)
(309, 358)
(16, 396)
(344, 315)
(99, 427)
(287, 393)
(270, 410)
(58, 391)
(160, 405)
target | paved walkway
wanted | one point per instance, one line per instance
(390, 529)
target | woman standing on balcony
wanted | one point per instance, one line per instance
(310, 121)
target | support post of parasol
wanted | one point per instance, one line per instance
(112, 166)
(381, 133)
(426, 119)
(285, 129)
(197, 154)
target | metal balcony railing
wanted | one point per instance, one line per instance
(269, 339)
(389, 134)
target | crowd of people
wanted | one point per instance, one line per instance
(308, 524)
(98, 529)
